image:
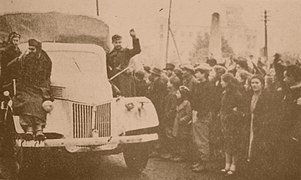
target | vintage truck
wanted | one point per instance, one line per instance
(86, 118)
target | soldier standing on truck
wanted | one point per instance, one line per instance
(11, 52)
(118, 59)
(33, 91)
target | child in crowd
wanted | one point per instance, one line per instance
(182, 124)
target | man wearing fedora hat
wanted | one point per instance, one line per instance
(169, 70)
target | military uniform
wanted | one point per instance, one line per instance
(117, 60)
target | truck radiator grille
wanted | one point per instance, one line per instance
(82, 120)
(103, 120)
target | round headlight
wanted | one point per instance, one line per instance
(48, 106)
(6, 93)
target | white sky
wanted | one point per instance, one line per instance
(121, 15)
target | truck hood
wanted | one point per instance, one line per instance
(84, 89)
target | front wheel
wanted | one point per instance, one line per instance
(136, 156)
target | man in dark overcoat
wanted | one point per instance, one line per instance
(33, 88)
(118, 59)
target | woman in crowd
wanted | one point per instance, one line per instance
(231, 119)
(262, 127)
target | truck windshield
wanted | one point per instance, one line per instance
(67, 65)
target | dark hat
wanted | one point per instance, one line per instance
(139, 74)
(35, 43)
(169, 66)
(243, 64)
(212, 62)
(294, 71)
(156, 71)
(277, 55)
(147, 68)
(116, 37)
(187, 67)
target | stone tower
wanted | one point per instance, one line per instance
(215, 43)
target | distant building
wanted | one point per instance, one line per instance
(241, 38)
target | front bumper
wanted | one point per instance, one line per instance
(94, 144)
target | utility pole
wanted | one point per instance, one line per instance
(168, 28)
(265, 36)
(169, 31)
(97, 8)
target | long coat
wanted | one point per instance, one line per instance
(33, 87)
(231, 120)
(262, 123)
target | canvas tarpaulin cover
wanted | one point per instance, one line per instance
(56, 27)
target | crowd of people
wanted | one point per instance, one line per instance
(249, 115)
(241, 111)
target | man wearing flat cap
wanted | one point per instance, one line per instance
(188, 76)
(118, 59)
(33, 89)
(201, 104)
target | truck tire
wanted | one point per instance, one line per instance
(136, 156)
(30, 163)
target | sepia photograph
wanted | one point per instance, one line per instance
(150, 90)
